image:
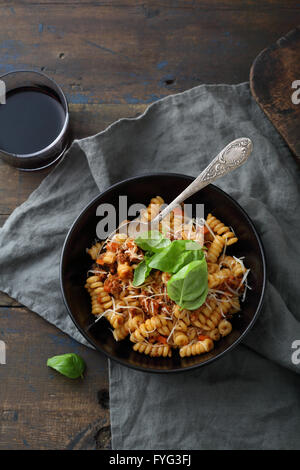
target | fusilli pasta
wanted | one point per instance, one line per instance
(146, 314)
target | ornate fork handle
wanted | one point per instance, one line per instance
(231, 157)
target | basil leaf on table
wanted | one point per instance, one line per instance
(71, 365)
(142, 271)
(189, 286)
(152, 241)
(179, 253)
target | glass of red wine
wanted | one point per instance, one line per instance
(34, 120)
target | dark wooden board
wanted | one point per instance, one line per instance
(272, 75)
(112, 58)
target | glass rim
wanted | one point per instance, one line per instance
(66, 120)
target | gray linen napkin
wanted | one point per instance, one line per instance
(251, 398)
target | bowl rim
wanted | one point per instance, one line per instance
(149, 369)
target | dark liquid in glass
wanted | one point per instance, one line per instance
(30, 120)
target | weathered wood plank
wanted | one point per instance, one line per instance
(6, 301)
(88, 119)
(137, 54)
(3, 218)
(173, 4)
(39, 407)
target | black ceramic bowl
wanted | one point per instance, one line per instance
(75, 264)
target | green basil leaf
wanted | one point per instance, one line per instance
(189, 286)
(141, 272)
(71, 365)
(192, 245)
(179, 253)
(187, 257)
(152, 241)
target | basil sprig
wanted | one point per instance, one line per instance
(184, 259)
(179, 253)
(189, 287)
(71, 365)
(142, 271)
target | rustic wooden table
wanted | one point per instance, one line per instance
(112, 59)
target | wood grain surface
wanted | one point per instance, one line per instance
(112, 59)
(272, 74)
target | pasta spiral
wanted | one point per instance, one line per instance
(237, 268)
(153, 350)
(212, 268)
(214, 334)
(225, 305)
(114, 319)
(134, 322)
(153, 209)
(235, 305)
(180, 338)
(94, 250)
(97, 309)
(124, 270)
(212, 322)
(100, 299)
(215, 249)
(217, 278)
(218, 227)
(121, 332)
(202, 314)
(199, 347)
(149, 326)
(224, 327)
(103, 298)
